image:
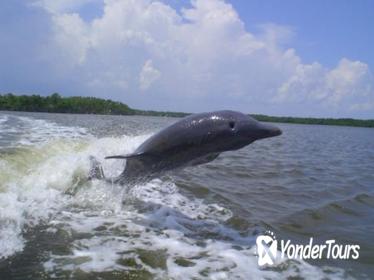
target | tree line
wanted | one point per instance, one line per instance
(55, 103)
(58, 104)
(319, 121)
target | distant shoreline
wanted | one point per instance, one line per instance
(92, 105)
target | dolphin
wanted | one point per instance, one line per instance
(193, 140)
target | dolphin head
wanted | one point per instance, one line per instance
(233, 130)
(252, 130)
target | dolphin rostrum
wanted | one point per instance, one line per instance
(193, 140)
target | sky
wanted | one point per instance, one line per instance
(283, 58)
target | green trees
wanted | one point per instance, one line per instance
(57, 104)
(320, 121)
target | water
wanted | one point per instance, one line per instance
(202, 222)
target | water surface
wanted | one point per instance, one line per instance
(201, 222)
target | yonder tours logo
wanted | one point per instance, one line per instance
(267, 250)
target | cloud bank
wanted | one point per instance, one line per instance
(149, 55)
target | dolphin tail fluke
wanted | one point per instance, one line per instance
(96, 171)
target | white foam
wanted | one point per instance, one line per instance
(10, 224)
(3, 119)
(34, 181)
(26, 131)
(40, 131)
(165, 222)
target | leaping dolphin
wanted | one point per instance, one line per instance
(193, 140)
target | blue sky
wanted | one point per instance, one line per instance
(298, 58)
(325, 30)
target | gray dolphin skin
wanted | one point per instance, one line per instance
(193, 140)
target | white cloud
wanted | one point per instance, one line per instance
(362, 106)
(348, 81)
(148, 75)
(199, 58)
(71, 37)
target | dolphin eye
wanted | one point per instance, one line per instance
(232, 124)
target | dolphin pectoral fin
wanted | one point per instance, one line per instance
(125, 156)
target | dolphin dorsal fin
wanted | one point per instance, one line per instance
(125, 156)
